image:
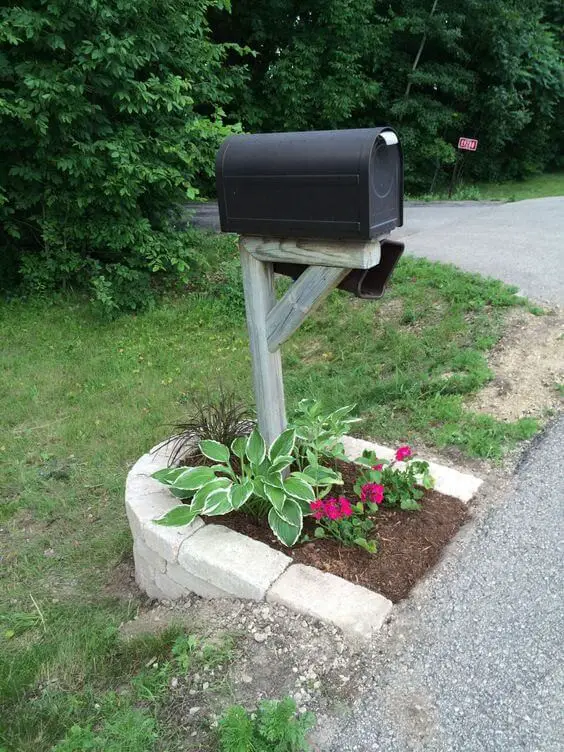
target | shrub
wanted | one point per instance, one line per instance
(110, 115)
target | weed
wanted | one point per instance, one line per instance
(274, 726)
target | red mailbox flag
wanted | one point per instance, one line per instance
(470, 144)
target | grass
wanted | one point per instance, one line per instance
(537, 186)
(82, 398)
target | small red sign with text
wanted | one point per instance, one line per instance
(470, 144)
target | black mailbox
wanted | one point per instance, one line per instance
(317, 184)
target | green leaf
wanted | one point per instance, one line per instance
(9, 633)
(168, 475)
(319, 532)
(193, 478)
(299, 488)
(275, 496)
(320, 475)
(286, 533)
(283, 445)
(282, 462)
(238, 446)
(255, 449)
(181, 515)
(217, 503)
(274, 479)
(181, 493)
(292, 513)
(215, 450)
(240, 492)
(202, 494)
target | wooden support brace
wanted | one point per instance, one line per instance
(307, 292)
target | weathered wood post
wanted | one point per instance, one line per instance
(258, 283)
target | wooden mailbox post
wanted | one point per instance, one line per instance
(317, 207)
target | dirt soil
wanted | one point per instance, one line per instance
(528, 363)
(275, 653)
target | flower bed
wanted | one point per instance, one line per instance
(408, 545)
(374, 521)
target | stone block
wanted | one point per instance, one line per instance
(354, 609)
(166, 541)
(234, 563)
(168, 588)
(141, 551)
(192, 584)
(144, 508)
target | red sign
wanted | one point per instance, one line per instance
(470, 144)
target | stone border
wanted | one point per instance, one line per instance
(213, 561)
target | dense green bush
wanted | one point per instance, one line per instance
(110, 115)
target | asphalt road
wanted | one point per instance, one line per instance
(521, 243)
(475, 662)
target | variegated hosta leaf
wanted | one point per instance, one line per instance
(215, 450)
(275, 496)
(274, 479)
(181, 493)
(202, 494)
(259, 488)
(240, 493)
(168, 475)
(193, 478)
(320, 475)
(256, 448)
(285, 532)
(180, 515)
(281, 462)
(292, 513)
(238, 446)
(217, 503)
(283, 445)
(299, 488)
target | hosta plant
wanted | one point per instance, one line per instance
(248, 475)
(384, 481)
(319, 433)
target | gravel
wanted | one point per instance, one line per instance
(474, 661)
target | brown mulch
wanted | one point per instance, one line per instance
(409, 543)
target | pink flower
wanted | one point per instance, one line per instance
(373, 492)
(317, 509)
(403, 453)
(332, 510)
(346, 508)
(377, 467)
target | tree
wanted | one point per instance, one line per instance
(110, 115)
(435, 69)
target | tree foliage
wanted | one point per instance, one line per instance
(110, 115)
(436, 69)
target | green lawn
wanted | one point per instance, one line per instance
(549, 184)
(537, 186)
(82, 397)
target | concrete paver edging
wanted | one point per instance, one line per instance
(213, 561)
